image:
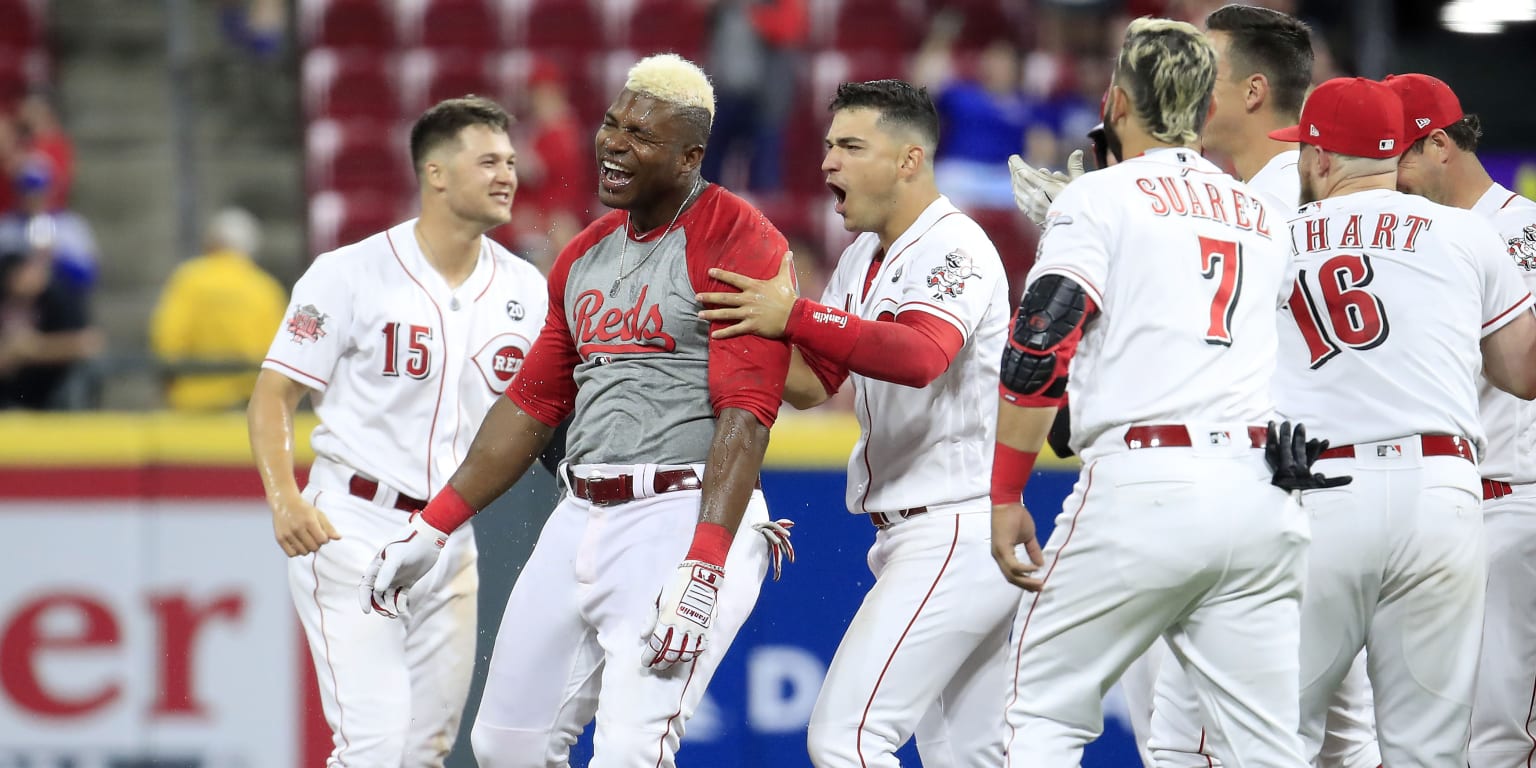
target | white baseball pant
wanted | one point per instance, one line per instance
(1191, 544)
(926, 652)
(1137, 686)
(1398, 566)
(1504, 706)
(578, 619)
(392, 691)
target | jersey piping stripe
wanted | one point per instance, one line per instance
(1522, 302)
(341, 713)
(916, 240)
(1511, 199)
(1018, 654)
(442, 376)
(859, 734)
(1200, 750)
(661, 745)
(1530, 755)
(323, 383)
(934, 309)
(492, 280)
(1093, 290)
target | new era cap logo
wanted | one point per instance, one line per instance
(1386, 145)
(1313, 130)
(1421, 121)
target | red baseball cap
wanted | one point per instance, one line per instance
(1428, 104)
(1351, 116)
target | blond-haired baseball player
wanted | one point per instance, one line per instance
(1158, 280)
(639, 580)
(402, 341)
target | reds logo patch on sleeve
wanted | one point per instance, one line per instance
(948, 279)
(1523, 249)
(306, 324)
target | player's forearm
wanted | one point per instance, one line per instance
(731, 472)
(911, 350)
(508, 443)
(803, 388)
(269, 419)
(1023, 428)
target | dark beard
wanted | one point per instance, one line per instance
(1112, 140)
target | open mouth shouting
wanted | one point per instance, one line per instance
(614, 177)
(841, 194)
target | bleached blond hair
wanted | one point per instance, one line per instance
(1168, 68)
(673, 79)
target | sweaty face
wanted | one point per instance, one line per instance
(480, 174)
(861, 166)
(639, 151)
(1230, 97)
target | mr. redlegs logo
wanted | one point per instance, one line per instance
(611, 330)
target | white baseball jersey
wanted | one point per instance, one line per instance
(1391, 297)
(403, 367)
(1279, 182)
(1510, 421)
(931, 445)
(1185, 264)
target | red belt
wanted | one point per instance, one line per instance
(1177, 436)
(886, 519)
(1495, 489)
(365, 488)
(1430, 445)
(603, 491)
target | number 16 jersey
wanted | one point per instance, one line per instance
(1391, 297)
(1186, 265)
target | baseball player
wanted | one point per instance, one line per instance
(1161, 275)
(1441, 164)
(915, 315)
(1398, 559)
(662, 460)
(402, 341)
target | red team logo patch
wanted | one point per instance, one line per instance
(306, 324)
(948, 279)
(1523, 249)
(506, 363)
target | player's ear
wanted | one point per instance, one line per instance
(690, 160)
(913, 156)
(1257, 93)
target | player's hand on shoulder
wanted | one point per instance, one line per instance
(780, 548)
(1290, 456)
(758, 307)
(409, 554)
(1034, 189)
(1013, 537)
(299, 527)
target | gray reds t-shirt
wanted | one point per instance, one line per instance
(636, 365)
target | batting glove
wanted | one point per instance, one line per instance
(411, 552)
(1034, 189)
(1290, 455)
(684, 613)
(776, 533)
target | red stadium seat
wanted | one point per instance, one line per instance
(984, 22)
(465, 25)
(350, 85)
(1015, 238)
(430, 76)
(337, 219)
(20, 72)
(357, 156)
(20, 25)
(563, 27)
(355, 24)
(875, 25)
(680, 26)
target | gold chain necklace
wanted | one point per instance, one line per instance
(624, 248)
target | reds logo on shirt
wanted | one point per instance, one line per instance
(948, 280)
(601, 329)
(500, 359)
(507, 361)
(1523, 249)
(306, 324)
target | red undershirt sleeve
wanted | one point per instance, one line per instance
(912, 348)
(544, 386)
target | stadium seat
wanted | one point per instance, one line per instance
(20, 72)
(337, 219)
(680, 26)
(1015, 238)
(875, 26)
(349, 85)
(985, 21)
(357, 156)
(563, 27)
(20, 25)
(429, 76)
(463, 25)
(354, 24)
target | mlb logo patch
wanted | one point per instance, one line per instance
(1221, 437)
(1393, 451)
(1386, 145)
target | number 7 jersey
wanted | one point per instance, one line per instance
(1186, 265)
(1390, 299)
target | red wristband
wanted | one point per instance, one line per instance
(1010, 472)
(447, 510)
(711, 542)
(822, 330)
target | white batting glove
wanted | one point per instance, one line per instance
(410, 553)
(780, 548)
(684, 612)
(1034, 189)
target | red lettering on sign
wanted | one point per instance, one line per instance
(37, 630)
(180, 620)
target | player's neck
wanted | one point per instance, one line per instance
(1365, 183)
(451, 247)
(1254, 152)
(909, 206)
(1467, 180)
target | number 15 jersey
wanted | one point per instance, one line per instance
(1186, 266)
(1391, 297)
